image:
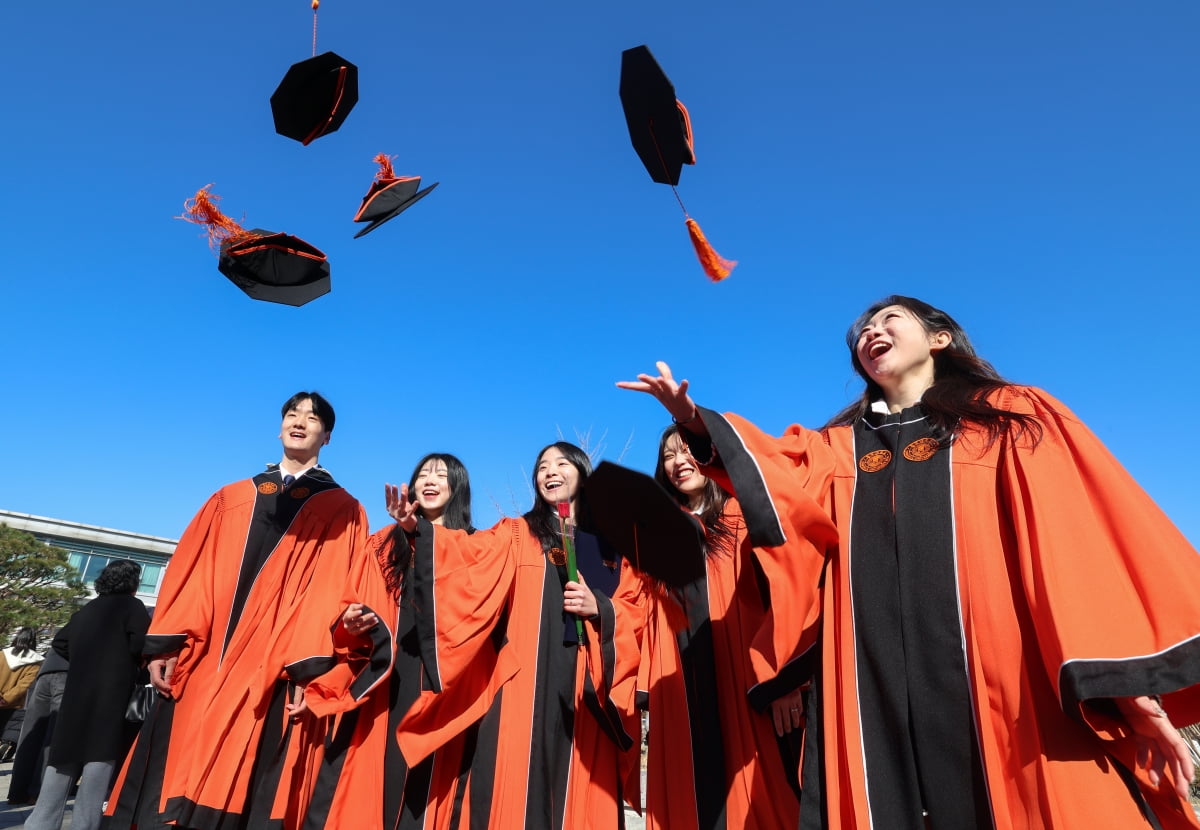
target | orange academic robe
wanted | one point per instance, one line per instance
(364, 781)
(553, 717)
(982, 607)
(713, 759)
(246, 602)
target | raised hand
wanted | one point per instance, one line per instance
(663, 386)
(403, 511)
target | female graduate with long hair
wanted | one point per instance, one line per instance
(364, 781)
(716, 757)
(1001, 608)
(505, 651)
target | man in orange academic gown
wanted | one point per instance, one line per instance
(242, 625)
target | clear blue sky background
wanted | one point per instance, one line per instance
(1030, 167)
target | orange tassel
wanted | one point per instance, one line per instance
(202, 209)
(713, 263)
(385, 174)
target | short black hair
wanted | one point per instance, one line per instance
(322, 408)
(121, 576)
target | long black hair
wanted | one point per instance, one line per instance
(24, 641)
(962, 380)
(542, 518)
(456, 515)
(717, 532)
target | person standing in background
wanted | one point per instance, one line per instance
(18, 669)
(37, 729)
(103, 643)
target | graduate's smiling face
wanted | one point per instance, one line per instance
(894, 347)
(557, 478)
(303, 432)
(681, 469)
(432, 490)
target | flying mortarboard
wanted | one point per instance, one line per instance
(266, 265)
(661, 132)
(314, 97)
(389, 196)
(643, 522)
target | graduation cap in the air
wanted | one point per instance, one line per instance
(266, 265)
(643, 522)
(389, 196)
(314, 97)
(661, 132)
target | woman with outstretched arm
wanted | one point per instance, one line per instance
(1009, 624)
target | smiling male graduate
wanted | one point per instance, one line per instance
(242, 625)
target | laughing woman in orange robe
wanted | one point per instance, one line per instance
(1009, 624)
(554, 714)
(718, 757)
(364, 781)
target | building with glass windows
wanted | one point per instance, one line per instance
(91, 548)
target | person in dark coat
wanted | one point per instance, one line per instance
(37, 729)
(103, 642)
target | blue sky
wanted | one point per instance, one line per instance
(1031, 168)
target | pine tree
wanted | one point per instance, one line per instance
(38, 586)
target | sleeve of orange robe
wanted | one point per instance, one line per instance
(306, 645)
(782, 486)
(1111, 582)
(613, 657)
(463, 585)
(183, 613)
(363, 661)
(640, 600)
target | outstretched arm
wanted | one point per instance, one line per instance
(671, 394)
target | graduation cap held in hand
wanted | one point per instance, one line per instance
(389, 196)
(661, 132)
(266, 265)
(643, 522)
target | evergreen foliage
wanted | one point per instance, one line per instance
(38, 586)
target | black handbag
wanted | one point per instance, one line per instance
(143, 697)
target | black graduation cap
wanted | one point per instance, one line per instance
(314, 97)
(661, 132)
(389, 196)
(659, 126)
(643, 522)
(269, 266)
(275, 267)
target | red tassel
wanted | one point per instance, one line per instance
(202, 209)
(717, 267)
(386, 173)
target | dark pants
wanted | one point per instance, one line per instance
(33, 748)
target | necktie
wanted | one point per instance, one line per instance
(288, 478)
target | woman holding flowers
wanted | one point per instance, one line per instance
(503, 650)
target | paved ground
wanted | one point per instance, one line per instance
(11, 816)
